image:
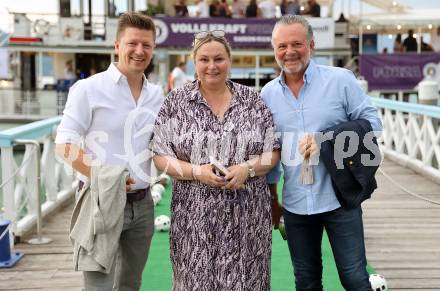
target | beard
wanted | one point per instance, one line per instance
(301, 66)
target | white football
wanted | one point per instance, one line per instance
(158, 187)
(162, 223)
(156, 197)
(378, 282)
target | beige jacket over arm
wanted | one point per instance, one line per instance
(98, 218)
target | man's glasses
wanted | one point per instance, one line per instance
(214, 33)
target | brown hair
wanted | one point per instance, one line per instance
(197, 43)
(136, 20)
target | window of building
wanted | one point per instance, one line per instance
(117, 7)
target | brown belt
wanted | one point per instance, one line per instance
(133, 196)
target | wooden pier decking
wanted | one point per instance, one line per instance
(402, 241)
(45, 267)
(402, 232)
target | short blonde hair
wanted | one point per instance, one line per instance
(135, 20)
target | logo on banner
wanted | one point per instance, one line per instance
(162, 31)
(432, 71)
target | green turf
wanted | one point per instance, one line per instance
(157, 273)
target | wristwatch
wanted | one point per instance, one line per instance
(251, 170)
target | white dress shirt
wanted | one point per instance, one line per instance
(102, 117)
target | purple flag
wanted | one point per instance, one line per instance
(396, 71)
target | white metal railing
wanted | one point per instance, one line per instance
(411, 135)
(20, 181)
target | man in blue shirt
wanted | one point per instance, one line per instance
(306, 99)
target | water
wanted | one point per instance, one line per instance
(8, 125)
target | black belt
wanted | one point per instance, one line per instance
(137, 195)
(133, 196)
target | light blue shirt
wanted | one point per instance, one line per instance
(329, 96)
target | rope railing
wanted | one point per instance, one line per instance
(23, 163)
(24, 202)
(411, 138)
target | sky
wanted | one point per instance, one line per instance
(51, 6)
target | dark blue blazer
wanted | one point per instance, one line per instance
(354, 181)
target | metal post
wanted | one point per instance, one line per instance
(419, 40)
(7, 160)
(39, 239)
(40, 70)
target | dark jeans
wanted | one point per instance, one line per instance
(346, 234)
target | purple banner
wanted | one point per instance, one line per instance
(397, 71)
(241, 33)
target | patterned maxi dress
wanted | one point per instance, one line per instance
(220, 240)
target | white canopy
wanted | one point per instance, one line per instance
(418, 17)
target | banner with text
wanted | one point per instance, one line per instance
(398, 71)
(241, 32)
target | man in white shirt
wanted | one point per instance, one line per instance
(267, 8)
(107, 120)
(178, 76)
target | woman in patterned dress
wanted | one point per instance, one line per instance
(220, 235)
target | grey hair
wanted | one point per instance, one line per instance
(289, 19)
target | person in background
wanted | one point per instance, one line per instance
(69, 73)
(267, 8)
(252, 9)
(313, 9)
(95, 118)
(290, 7)
(224, 10)
(92, 71)
(237, 9)
(305, 100)
(398, 46)
(214, 8)
(181, 9)
(178, 76)
(220, 237)
(202, 8)
(283, 6)
(410, 42)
